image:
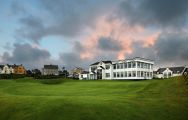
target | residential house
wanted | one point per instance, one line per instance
(7, 69)
(50, 70)
(84, 75)
(1, 68)
(75, 72)
(19, 69)
(136, 68)
(169, 72)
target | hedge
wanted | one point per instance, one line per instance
(12, 76)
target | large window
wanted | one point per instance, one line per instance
(138, 65)
(129, 73)
(142, 74)
(118, 75)
(107, 67)
(134, 64)
(107, 75)
(138, 73)
(147, 74)
(118, 66)
(121, 65)
(125, 73)
(129, 64)
(125, 65)
(141, 64)
(121, 74)
(114, 74)
(114, 65)
(134, 73)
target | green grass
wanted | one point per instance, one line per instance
(28, 99)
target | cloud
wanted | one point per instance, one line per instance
(32, 29)
(28, 55)
(115, 35)
(62, 18)
(163, 13)
(172, 47)
(107, 44)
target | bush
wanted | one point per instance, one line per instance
(46, 76)
(11, 76)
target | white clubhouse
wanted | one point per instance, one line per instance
(136, 68)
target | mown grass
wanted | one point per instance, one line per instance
(29, 99)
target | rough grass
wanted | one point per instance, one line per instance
(29, 99)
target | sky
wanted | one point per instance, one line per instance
(76, 33)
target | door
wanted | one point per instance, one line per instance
(99, 74)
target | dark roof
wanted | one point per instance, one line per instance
(50, 66)
(93, 72)
(101, 67)
(96, 63)
(186, 70)
(85, 72)
(1, 66)
(154, 72)
(173, 69)
(107, 61)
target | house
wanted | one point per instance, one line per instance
(7, 69)
(75, 72)
(1, 68)
(50, 70)
(136, 68)
(84, 75)
(169, 72)
(19, 69)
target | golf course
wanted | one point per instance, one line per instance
(31, 99)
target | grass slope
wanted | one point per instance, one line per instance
(28, 99)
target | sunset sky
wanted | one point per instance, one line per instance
(76, 33)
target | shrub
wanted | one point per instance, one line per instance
(46, 76)
(11, 76)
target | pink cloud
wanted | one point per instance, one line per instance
(120, 32)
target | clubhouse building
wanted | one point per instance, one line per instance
(136, 68)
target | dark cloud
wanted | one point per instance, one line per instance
(32, 28)
(109, 44)
(169, 49)
(140, 51)
(17, 8)
(155, 12)
(28, 55)
(172, 47)
(71, 60)
(65, 18)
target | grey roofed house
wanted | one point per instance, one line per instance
(1, 66)
(175, 70)
(169, 72)
(50, 66)
(85, 72)
(107, 61)
(50, 70)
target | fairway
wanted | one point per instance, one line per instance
(29, 99)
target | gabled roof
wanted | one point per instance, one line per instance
(107, 61)
(85, 72)
(1, 66)
(50, 66)
(173, 69)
